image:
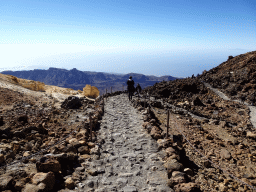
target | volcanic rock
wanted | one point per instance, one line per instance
(83, 150)
(155, 132)
(69, 183)
(71, 102)
(6, 182)
(46, 178)
(173, 165)
(225, 154)
(46, 165)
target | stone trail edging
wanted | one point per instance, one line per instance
(179, 176)
(160, 104)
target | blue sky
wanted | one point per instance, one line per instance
(173, 37)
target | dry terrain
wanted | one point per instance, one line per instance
(46, 143)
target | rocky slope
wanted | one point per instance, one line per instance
(42, 141)
(219, 126)
(236, 77)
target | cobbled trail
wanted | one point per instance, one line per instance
(129, 159)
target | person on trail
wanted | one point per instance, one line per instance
(138, 89)
(130, 87)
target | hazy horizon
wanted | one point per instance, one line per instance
(176, 38)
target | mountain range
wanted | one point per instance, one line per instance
(76, 79)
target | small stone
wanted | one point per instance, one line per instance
(177, 174)
(125, 174)
(92, 172)
(26, 153)
(129, 189)
(121, 181)
(1, 158)
(69, 183)
(73, 140)
(222, 187)
(95, 150)
(90, 184)
(91, 144)
(206, 163)
(83, 150)
(225, 154)
(251, 135)
(188, 171)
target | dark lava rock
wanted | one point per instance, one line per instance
(23, 119)
(46, 165)
(72, 103)
(1, 121)
(198, 102)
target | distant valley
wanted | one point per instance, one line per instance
(76, 79)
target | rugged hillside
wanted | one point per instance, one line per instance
(236, 77)
(76, 79)
(220, 128)
(36, 123)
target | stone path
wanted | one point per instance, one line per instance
(223, 96)
(129, 160)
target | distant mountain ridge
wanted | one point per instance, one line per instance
(76, 79)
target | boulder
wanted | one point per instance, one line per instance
(155, 132)
(170, 151)
(46, 165)
(46, 178)
(177, 178)
(164, 143)
(69, 183)
(6, 182)
(173, 165)
(71, 102)
(91, 91)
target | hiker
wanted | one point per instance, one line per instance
(130, 87)
(138, 89)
